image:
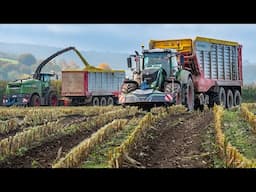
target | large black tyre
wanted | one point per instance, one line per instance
(190, 95)
(222, 97)
(35, 101)
(110, 101)
(212, 99)
(230, 99)
(129, 86)
(103, 101)
(95, 101)
(237, 98)
(52, 99)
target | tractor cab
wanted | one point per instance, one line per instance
(46, 77)
(157, 66)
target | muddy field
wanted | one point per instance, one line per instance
(171, 142)
(175, 142)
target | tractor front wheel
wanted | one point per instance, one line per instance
(35, 101)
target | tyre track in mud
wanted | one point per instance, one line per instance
(175, 145)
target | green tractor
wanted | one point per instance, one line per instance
(35, 91)
(159, 81)
(31, 92)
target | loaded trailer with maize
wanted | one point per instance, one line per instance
(185, 71)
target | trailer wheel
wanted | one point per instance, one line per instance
(110, 101)
(190, 95)
(230, 101)
(95, 101)
(103, 101)
(212, 97)
(52, 100)
(35, 101)
(222, 97)
(237, 98)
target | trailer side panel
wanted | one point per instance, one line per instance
(74, 83)
(105, 83)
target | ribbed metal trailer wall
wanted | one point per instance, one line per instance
(218, 61)
(105, 81)
(83, 83)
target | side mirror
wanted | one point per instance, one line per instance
(129, 62)
(182, 59)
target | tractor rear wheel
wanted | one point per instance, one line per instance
(53, 99)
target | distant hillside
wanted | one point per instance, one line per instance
(115, 60)
(5, 60)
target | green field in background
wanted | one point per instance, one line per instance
(12, 61)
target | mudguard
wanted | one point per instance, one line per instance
(183, 76)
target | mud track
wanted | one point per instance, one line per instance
(175, 142)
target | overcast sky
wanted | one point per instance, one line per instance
(125, 37)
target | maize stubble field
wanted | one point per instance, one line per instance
(116, 137)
